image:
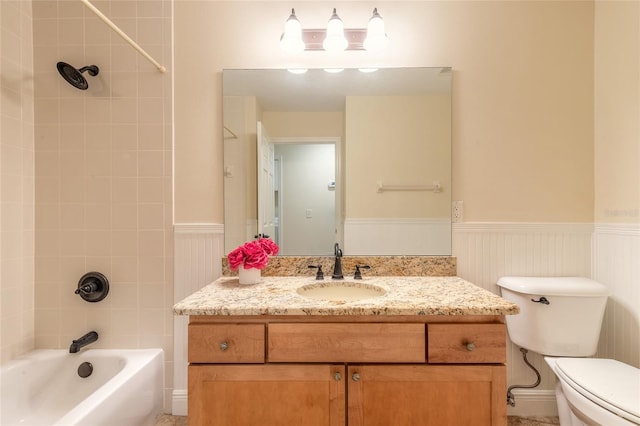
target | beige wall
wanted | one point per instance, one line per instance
(304, 124)
(385, 143)
(617, 112)
(522, 94)
(241, 114)
(617, 175)
(16, 179)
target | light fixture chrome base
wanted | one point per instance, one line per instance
(313, 38)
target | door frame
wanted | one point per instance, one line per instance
(339, 176)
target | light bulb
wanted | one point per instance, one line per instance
(335, 40)
(376, 37)
(291, 40)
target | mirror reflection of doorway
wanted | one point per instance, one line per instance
(305, 197)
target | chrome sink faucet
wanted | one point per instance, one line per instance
(337, 268)
(83, 341)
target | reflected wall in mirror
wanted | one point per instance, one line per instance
(358, 158)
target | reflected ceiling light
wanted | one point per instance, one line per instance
(367, 70)
(297, 70)
(335, 38)
(376, 37)
(291, 39)
(334, 70)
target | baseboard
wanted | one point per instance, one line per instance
(179, 402)
(541, 403)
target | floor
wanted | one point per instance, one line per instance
(167, 420)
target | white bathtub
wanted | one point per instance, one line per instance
(43, 388)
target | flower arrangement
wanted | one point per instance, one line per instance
(254, 254)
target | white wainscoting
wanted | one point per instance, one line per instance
(487, 251)
(616, 250)
(389, 236)
(199, 248)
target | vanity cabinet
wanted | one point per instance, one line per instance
(384, 395)
(243, 395)
(355, 371)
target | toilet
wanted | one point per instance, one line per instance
(560, 318)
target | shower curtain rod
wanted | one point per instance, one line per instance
(121, 33)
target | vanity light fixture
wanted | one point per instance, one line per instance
(376, 37)
(291, 39)
(335, 38)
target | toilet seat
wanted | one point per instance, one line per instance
(608, 383)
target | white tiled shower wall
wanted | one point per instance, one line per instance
(86, 176)
(17, 179)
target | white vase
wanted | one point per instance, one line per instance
(249, 276)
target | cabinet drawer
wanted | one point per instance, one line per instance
(345, 342)
(466, 343)
(226, 343)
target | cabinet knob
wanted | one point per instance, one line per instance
(224, 346)
(471, 346)
(355, 377)
(337, 377)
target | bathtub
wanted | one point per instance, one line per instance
(43, 387)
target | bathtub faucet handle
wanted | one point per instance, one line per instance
(93, 287)
(87, 288)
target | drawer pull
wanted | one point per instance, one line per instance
(224, 346)
(337, 377)
(471, 346)
(355, 377)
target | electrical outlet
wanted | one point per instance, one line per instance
(457, 211)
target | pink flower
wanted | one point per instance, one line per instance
(269, 246)
(236, 258)
(254, 254)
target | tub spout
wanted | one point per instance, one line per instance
(83, 341)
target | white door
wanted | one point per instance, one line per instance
(266, 195)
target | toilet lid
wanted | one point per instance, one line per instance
(609, 383)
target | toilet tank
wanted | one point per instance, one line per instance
(568, 325)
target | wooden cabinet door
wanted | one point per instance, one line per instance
(283, 395)
(426, 395)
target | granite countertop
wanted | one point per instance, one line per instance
(404, 296)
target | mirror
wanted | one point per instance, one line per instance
(358, 157)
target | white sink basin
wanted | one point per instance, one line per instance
(341, 291)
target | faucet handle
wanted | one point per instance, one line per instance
(358, 274)
(319, 274)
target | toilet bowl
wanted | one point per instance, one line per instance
(596, 391)
(590, 391)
